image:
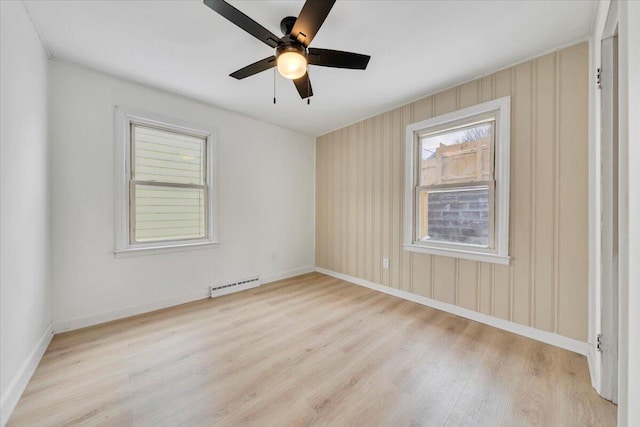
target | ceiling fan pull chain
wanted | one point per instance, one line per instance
(274, 86)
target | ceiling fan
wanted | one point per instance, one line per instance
(293, 54)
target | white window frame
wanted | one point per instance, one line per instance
(123, 245)
(499, 254)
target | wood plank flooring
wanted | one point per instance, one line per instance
(311, 350)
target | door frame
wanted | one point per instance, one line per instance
(607, 357)
(604, 27)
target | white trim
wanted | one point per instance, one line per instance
(591, 364)
(95, 319)
(594, 197)
(501, 107)
(286, 275)
(20, 381)
(123, 119)
(164, 249)
(595, 200)
(516, 328)
(629, 214)
(608, 210)
(108, 316)
(460, 253)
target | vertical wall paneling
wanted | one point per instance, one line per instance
(556, 189)
(406, 281)
(387, 166)
(369, 199)
(444, 277)
(396, 199)
(532, 190)
(335, 212)
(335, 244)
(467, 284)
(572, 221)
(361, 188)
(486, 288)
(521, 161)
(377, 190)
(543, 213)
(351, 136)
(344, 199)
(360, 207)
(322, 202)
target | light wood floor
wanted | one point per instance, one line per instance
(311, 350)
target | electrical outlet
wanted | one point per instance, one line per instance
(385, 262)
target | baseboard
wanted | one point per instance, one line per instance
(19, 383)
(516, 328)
(286, 275)
(96, 319)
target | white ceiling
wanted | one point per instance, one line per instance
(417, 47)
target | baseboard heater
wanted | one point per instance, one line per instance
(240, 285)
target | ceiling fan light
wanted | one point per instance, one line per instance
(292, 65)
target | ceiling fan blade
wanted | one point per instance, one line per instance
(311, 17)
(337, 59)
(255, 68)
(304, 86)
(243, 21)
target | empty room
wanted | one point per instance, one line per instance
(320, 212)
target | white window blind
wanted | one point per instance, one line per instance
(168, 186)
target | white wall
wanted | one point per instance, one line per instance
(266, 202)
(25, 279)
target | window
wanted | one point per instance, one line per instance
(457, 184)
(166, 192)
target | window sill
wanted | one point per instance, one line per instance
(460, 254)
(129, 252)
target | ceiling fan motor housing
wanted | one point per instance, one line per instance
(287, 23)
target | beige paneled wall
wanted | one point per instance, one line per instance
(360, 173)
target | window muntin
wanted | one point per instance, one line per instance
(168, 188)
(457, 183)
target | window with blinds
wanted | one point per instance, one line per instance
(168, 188)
